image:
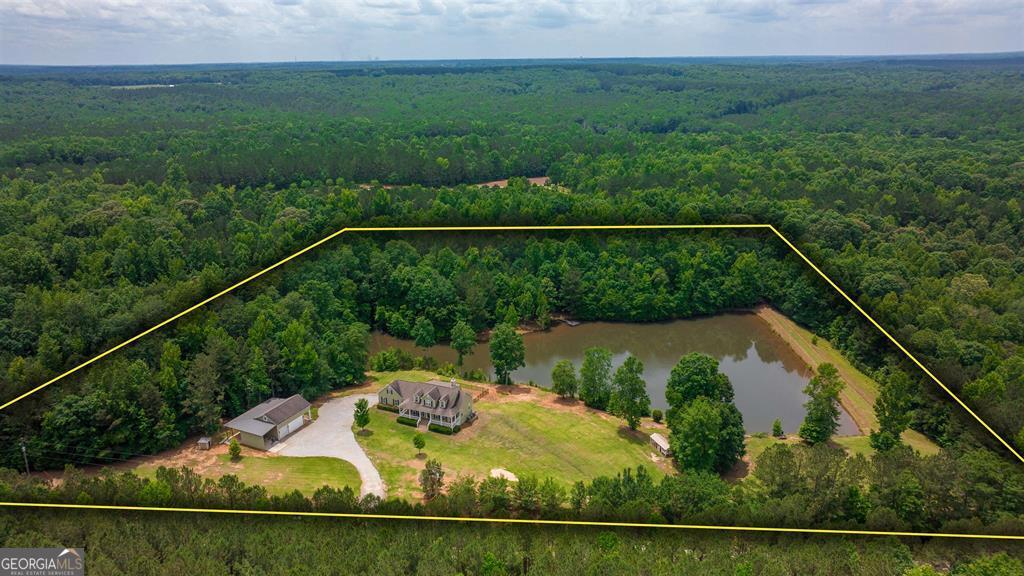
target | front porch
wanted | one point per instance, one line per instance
(426, 418)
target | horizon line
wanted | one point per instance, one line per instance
(823, 56)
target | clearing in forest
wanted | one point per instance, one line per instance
(525, 430)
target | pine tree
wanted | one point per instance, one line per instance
(257, 379)
(431, 479)
(822, 418)
(543, 313)
(893, 408)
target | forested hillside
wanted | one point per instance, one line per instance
(121, 205)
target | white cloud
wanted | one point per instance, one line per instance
(141, 31)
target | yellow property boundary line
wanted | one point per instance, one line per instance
(628, 227)
(536, 522)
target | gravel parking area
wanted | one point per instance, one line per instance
(331, 435)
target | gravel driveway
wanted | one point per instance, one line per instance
(331, 435)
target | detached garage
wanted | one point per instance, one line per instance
(270, 422)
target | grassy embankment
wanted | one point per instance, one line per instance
(859, 394)
(527, 431)
(278, 474)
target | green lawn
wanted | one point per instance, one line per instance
(521, 436)
(381, 379)
(853, 445)
(756, 445)
(279, 474)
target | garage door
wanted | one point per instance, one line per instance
(293, 426)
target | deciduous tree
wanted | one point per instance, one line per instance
(463, 339)
(507, 352)
(362, 413)
(697, 375)
(563, 379)
(629, 392)
(696, 433)
(595, 377)
(423, 333)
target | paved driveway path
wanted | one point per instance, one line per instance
(331, 435)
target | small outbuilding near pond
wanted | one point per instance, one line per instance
(661, 443)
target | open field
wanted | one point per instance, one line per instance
(278, 474)
(527, 431)
(859, 394)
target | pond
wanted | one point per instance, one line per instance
(767, 375)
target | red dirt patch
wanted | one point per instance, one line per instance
(536, 181)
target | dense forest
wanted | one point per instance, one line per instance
(149, 544)
(120, 206)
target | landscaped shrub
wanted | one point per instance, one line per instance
(390, 360)
(407, 421)
(425, 363)
(234, 449)
(777, 429)
(475, 375)
(657, 415)
(387, 408)
(448, 369)
(441, 429)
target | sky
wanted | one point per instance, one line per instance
(84, 32)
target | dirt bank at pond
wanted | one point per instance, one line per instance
(859, 394)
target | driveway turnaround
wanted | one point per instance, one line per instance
(331, 435)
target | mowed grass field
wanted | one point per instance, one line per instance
(523, 432)
(278, 474)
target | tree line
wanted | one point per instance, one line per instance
(791, 485)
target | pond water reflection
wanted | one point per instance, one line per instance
(767, 375)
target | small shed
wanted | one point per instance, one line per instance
(661, 443)
(205, 443)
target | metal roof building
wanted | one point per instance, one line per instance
(271, 421)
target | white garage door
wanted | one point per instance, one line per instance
(293, 425)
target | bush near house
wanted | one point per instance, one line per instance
(235, 449)
(443, 429)
(387, 408)
(407, 421)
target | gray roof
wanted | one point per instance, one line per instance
(265, 416)
(436, 389)
(286, 410)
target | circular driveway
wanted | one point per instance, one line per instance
(331, 435)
